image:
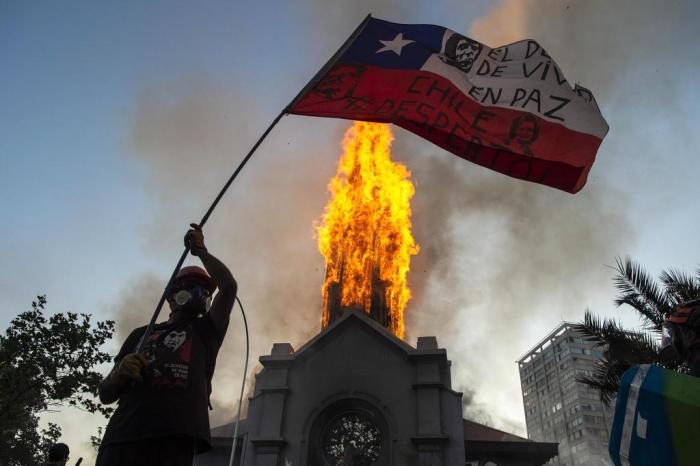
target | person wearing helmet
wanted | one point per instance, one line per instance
(680, 339)
(163, 392)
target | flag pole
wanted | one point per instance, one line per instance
(317, 77)
(322, 72)
(201, 223)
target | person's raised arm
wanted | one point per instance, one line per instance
(222, 304)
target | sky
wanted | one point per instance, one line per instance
(120, 121)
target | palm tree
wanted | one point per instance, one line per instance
(653, 302)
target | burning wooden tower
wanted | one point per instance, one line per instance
(365, 234)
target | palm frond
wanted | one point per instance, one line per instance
(636, 348)
(639, 290)
(649, 318)
(623, 349)
(680, 286)
(606, 384)
(604, 378)
(599, 330)
(591, 328)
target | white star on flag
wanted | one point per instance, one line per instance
(394, 45)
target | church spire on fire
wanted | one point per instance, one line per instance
(355, 394)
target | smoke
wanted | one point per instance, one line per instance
(634, 56)
(498, 255)
(189, 136)
(473, 410)
(137, 304)
(502, 261)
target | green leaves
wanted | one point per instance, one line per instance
(653, 302)
(679, 286)
(46, 362)
(639, 290)
(623, 349)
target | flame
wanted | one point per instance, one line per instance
(366, 227)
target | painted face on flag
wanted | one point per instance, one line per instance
(524, 130)
(339, 83)
(462, 52)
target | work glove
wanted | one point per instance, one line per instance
(131, 366)
(194, 239)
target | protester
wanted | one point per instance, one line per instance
(162, 417)
(680, 340)
(58, 454)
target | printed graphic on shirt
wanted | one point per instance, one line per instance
(174, 340)
(169, 353)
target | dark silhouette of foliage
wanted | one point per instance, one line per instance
(96, 440)
(46, 363)
(653, 302)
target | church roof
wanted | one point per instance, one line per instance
(481, 440)
(355, 316)
(475, 432)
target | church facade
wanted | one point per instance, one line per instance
(357, 395)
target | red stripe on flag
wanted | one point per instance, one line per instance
(516, 143)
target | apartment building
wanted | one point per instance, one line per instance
(559, 409)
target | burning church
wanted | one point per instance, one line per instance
(357, 393)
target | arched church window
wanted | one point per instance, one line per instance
(352, 439)
(350, 432)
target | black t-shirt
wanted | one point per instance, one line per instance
(173, 397)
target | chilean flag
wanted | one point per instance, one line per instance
(509, 108)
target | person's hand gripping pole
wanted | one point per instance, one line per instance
(194, 240)
(130, 369)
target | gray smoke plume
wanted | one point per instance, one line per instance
(190, 138)
(540, 255)
(497, 254)
(502, 261)
(137, 304)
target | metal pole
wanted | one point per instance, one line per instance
(317, 77)
(151, 324)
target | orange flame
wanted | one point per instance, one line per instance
(367, 224)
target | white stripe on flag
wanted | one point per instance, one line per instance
(630, 410)
(521, 76)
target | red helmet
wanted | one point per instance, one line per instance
(196, 273)
(687, 313)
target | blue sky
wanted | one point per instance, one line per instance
(119, 121)
(72, 73)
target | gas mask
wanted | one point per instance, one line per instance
(190, 298)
